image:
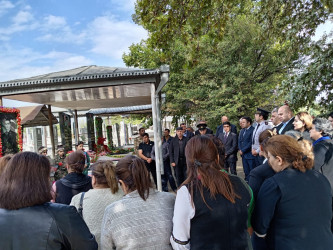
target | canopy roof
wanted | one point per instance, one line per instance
(143, 109)
(32, 116)
(88, 87)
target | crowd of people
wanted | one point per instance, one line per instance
(283, 202)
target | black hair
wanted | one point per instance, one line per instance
(248, 119)
(227, 123)
(145, 134)
(167, 130)
(79, 143)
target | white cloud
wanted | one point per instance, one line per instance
(54, 22)
(22, 17)
(16, 64)
(5, 6)
(57, 30)
(112, 38)
(125, 5)
(22, 21)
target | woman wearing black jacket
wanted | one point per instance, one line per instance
(75, 181)
(27, 219)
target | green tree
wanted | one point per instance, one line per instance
(225, 57)
(312, 78)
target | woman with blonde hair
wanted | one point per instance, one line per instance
(303, 124)
(293, 207)
(105, 191)
(142, 219)
(211, 209)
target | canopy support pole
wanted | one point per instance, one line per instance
(157, 138)
(51, 130)
(76, 124)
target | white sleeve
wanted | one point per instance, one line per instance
(183, 213)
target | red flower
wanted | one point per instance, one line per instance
(60, 164)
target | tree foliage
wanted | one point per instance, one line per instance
(225, 57)
(311, 83)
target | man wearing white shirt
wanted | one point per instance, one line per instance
(261, 117)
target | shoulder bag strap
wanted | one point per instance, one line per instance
(81, 204)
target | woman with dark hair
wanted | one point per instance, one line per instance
(3, 162)
(259, 174)
(303, 124)
(74, 182)
(257, 177)
(211, 209)
(27, 219)
(79, 147)
(220, 149)
(143, 218)
(105, 191)
(293, 208)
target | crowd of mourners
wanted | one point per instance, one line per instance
(284, 202)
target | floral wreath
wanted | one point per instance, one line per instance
(19, 128)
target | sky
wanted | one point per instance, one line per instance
(43, 36)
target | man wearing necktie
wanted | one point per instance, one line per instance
(245, 144)
(229, 140)
(261, 117)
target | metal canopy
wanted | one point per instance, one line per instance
(35, 116)
(87, 87)
(90, 87)
(143, 109)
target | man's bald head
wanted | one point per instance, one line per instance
(224, 119)
(285, 113)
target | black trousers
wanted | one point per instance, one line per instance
(230, 163)
(151, 167)
(168, 177)
(180, 171)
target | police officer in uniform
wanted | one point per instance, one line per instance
(261, 117)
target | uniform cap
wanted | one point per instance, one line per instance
(179, 128)
(262, 111)
(202, 126)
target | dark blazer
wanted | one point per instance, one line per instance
(230, 146)
(219, 129)
(188, 134)
(257, 177)
(174, 149)
(323, 159)
(289, 126)
(245, 142)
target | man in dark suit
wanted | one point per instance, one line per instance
(186, 133)
(177, 155)
(245, 145)
(229, 140)
(220, 130)
(287, 118)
